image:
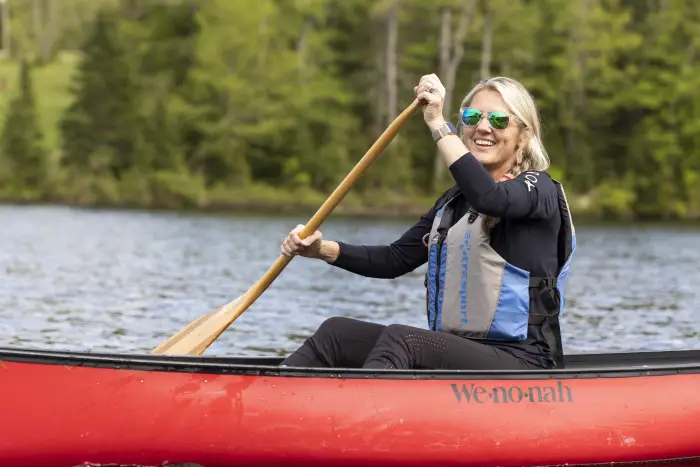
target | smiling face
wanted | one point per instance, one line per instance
(495, 149)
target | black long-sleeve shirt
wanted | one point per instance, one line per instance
(526, 235)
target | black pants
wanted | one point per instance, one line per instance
(349, 343)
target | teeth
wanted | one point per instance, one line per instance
(484, 142)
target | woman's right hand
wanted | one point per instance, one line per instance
(310, 247)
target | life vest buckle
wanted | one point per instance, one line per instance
(546, 282)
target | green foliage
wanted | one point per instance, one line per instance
(23, 158)
(213, 103)
(102, 128)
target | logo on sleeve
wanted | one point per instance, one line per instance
(530, 179)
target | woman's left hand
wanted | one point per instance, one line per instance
(431, 91)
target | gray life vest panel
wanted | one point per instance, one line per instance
(473, 292)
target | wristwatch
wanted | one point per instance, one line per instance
(447, 128)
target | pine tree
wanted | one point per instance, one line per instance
(101, 128)
(21, 138)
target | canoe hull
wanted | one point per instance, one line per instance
(65, 415)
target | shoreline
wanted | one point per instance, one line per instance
(251, 207)
(412, 208)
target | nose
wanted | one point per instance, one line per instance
(483, 125)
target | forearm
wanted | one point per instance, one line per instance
(451, 147)
(376, 261)
(382, 261)
(329, 251)
(474, 181)
(368, 261)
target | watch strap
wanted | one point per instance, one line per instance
(447, 128)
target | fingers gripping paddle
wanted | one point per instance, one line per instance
(194, 338)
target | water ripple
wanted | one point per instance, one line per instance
(125, 281)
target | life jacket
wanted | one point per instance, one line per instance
(473, 292)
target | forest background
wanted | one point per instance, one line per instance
(265, 105)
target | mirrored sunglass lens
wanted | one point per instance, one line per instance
(471, 116)
(499, 120)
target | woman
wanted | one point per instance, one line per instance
(498, 246)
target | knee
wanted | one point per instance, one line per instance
(405, 336)
(332, 325)
(394, 331)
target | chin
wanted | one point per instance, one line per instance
(483, 156)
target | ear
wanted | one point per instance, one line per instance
(506, 177)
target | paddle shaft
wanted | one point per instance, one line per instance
(242, 303)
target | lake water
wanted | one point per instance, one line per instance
(108, 280)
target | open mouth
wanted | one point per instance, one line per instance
(484, 143)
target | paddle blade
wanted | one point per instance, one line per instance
(163, 348)
(194, 338)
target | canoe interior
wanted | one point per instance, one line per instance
(614, 364)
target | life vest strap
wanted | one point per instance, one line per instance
(547, 287)
(549, 295)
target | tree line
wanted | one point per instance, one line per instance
(231, 103)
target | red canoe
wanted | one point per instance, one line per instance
(69, 408)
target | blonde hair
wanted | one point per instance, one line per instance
(532, 155)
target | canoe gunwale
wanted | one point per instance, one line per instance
(610, 365)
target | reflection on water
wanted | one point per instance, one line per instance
(125, 281)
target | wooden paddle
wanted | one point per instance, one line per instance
(194, 338)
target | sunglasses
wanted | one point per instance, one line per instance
(497, 120)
